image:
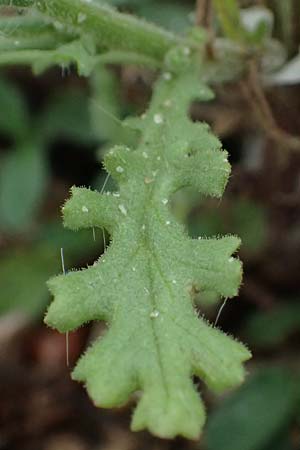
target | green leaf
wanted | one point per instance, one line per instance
(79, 52)
(258, 21)
(249, 220)
(251, 417)
(16, 44)
(284, 441)
(23, 179)
(24, 272)
(143, 285)
(108, 28)
(30, 31)
(15, 121)
(32, 26)
(107, 108)
(228, 13)
(171, 15)
(105, 105)
(249, 26)
(243, 217)
(67, 115)
(281, 322)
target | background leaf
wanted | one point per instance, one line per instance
(14, 118)
(268, 329)
(24, 271)
(252, 416)
(23, 180)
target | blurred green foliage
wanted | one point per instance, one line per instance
(270, 329)
(24, 167)
(85, 115)
(24, 183)
(107, 109)
(243, 217)
(173, 15)
(256, 414)
(24, 271)
(66, 115)
(18, 205)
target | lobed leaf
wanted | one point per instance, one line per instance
(143, 285)
(34, 263)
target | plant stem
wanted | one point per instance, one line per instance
(229, 16)
(203, 13)
(253, 91)
(45, 41)
(204, 18)
(109, 28)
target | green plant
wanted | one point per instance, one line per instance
(259, 411)
(154, 340)
(145, 283)
(31, 134)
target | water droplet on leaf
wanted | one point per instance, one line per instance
(167, 76)
(158, 119)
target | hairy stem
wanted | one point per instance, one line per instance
(109, 28)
